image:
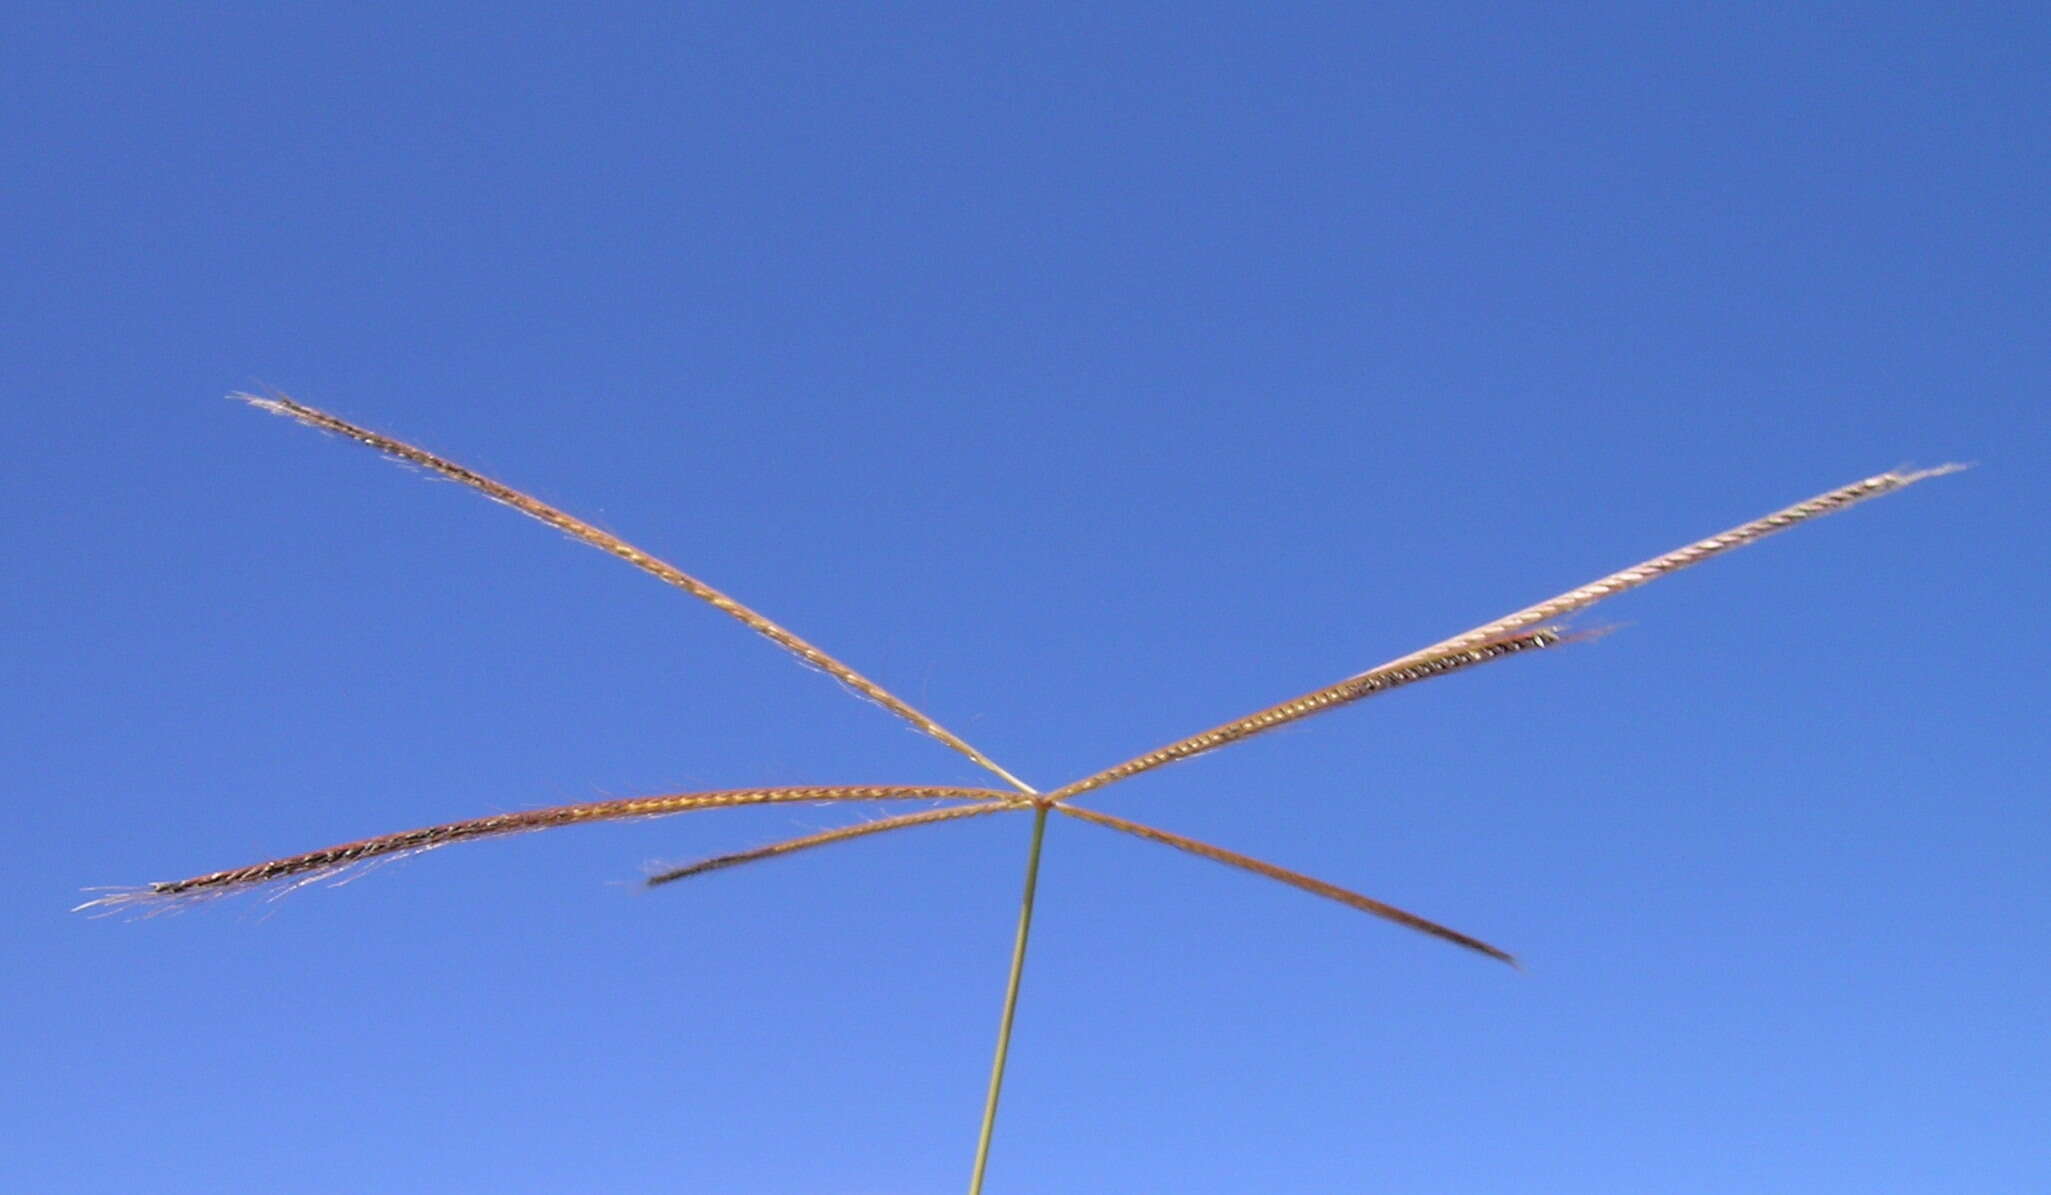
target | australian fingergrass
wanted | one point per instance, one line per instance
(1522, 632)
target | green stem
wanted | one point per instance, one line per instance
(1018, 953)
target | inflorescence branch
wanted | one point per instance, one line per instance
(1514, 634)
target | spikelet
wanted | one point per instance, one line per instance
(607, 542)
(1318, 701)
(295, 871)
(1295, 879)
(1561, 605)
(827, 837)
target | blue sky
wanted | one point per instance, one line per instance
(1087, 374)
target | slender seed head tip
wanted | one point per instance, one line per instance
(111, 898)
(1908, 476)
(276, 404)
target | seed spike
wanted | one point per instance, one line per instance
(314, 865)
(1318, 701)
(1561, 605)
(604, 541)
(1294, 879)
(827, 837)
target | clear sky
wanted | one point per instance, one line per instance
(1088, 374)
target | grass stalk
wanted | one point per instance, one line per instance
(1514, 633)
(1004, 1020)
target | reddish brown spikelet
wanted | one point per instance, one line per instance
(348, 854)
(1294, 879)
(605, 541)
(1687, 556)
(828, 837)
(1318, 701)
